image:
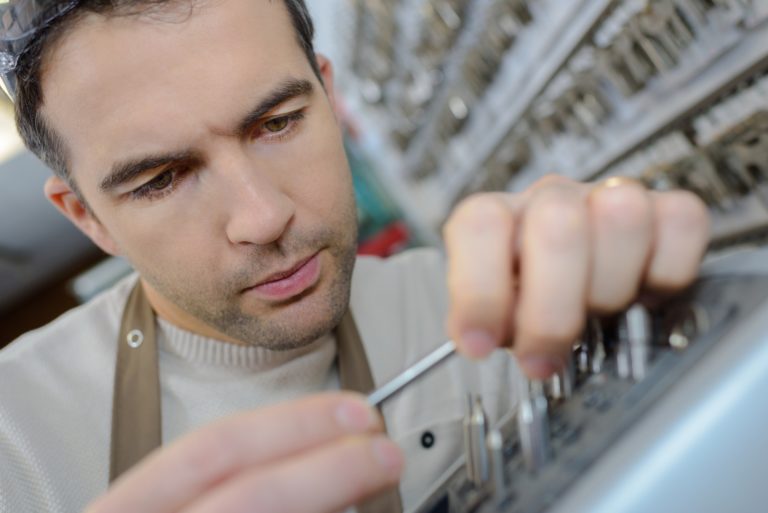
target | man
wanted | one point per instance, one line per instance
(197, 138)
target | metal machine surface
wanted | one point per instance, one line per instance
(661, 411)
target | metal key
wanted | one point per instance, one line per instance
(533, 424)
(475, 442)
(412, 373)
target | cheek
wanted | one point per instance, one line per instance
(325, 182)
(178, 246)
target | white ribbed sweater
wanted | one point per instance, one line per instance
(56, 385)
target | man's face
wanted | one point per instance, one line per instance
(210, 155)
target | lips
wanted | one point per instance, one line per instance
(289, 283)
(284, 274)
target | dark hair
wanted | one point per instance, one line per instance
(35, 131)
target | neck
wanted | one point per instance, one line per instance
(173, 314)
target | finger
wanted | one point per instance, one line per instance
(206, 457)
(554, 274)
(621, 215)
(682, 236)
(479, 240)
(554, 180)
(325, 480)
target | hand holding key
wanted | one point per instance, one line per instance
(330, 447)
(526, 269)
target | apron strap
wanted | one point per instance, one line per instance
(355, 374)
(136, 422)
(136, 419)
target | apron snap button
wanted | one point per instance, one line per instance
(427, 440)
(135, 338)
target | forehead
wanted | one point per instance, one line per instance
(149, 83)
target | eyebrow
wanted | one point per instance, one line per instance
(288, 90)
(126, 172)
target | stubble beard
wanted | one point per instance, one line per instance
(285, 334)
(280, 332)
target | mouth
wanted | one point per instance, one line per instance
(286, 284)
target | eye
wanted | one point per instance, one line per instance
(161, 185)
(278, 128)
(160, 182)
(277, 125)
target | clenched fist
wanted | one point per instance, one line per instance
(526, 269)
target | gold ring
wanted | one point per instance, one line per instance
(617, 181)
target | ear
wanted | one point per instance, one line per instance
(61, 195)
(326, 71)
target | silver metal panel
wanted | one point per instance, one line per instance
(704, 448)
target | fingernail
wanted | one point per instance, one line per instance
(388, 454)
(539, 367)
(356, 416)
(478, 343)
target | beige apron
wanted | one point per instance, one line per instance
(136, 422)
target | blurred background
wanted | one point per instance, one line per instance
(443, 98)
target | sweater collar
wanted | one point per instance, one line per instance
(202, 350)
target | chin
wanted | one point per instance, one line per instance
(296, 322)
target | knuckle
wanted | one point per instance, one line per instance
(479, 211)
(557, 216)
(557, 199)
(627, 206)
(551, 179)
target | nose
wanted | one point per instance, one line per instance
(258, 210)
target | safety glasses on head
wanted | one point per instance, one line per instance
(20, 22)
